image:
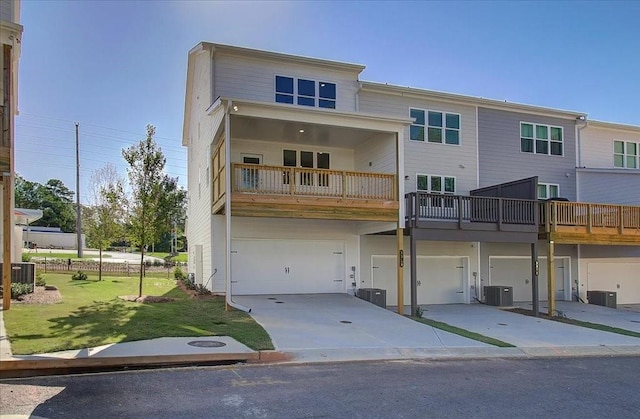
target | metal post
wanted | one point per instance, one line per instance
(78, 211)
(535, 272)
(414, 273)
(400, 273)
(551, 276)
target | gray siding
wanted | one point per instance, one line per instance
(501, 160)
(615, 188)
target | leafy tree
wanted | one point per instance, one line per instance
(155, 197)
(104, 219)
(53, 198)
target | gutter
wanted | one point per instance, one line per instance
(227, 204)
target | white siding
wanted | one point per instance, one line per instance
(429, 158)
(254, 79)
(596, 144)
(380, 151)
(622, 255)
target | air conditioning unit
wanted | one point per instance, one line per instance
(603, 298)
(376, 296)
(498, 295)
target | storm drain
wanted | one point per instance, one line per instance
(345, 321)
(271, 298)
(279, 302)
(502, 324)
(207, 343)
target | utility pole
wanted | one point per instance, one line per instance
(78, 211)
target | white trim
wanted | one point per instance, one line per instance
(296, 94)
(625, 155)
(442, 178)
(535, 139)
(444, 128)
(477, 153)
(547, 189)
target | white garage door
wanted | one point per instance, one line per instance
(623, 278)
(287, 267)
(441, 280)
(516, 272)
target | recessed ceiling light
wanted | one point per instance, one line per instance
(235, 108)
(301, 131)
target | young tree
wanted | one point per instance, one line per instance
(155, 197)
(104, 219)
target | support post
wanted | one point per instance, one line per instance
(414, 272)
(535, 272)
(551, 272)
(400, 279)
(6, 244)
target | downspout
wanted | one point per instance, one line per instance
(578, 279)
(227, 212)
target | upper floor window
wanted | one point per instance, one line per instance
(548, 190)
(541, 139)
(305, 92)
(439, 126)
(625, 154)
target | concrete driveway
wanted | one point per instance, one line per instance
(341, 321)
(524, 331)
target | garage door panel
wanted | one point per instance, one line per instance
(440, 280)
(287, 267)
(622, 278)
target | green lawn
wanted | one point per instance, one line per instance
(91, 314)
(463, 332)
(181, 257)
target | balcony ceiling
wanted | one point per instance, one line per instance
(275, 130)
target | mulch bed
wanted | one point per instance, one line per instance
(194, 294)
(41, 295)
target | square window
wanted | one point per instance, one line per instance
(328, 104)
(284, 84)
(542, 132)
(526, 130)
(306, 87)
(556, 134)
(452, 136)
(327, 90)
(453, 121)
(542, 147)
(435, 135)
(632, 149)
(618, 147)
(284, 98)
(423, 183)
(526, 145)
(449, 185)
(436, 184)
(632, 162)
(556, 149)
(618, 160)
(417, 133)
(306, 101)
(553, 191)
(435, 119)
(418, 115)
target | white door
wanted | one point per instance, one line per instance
(622, 278)
(287, 267)
(441, 280)
(516, 272)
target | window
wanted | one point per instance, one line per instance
(548, 190)
(625, 154)
(439, 126)
(307, 159)
(541, 139)
(306, 92)
(439, 185)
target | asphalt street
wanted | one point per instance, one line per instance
(529, 388)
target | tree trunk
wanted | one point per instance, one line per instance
(100, 265)
(141, 270)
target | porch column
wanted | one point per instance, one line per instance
(7, 243)
(400, 279)
(551, 275)
(414, 273)
(535, 272)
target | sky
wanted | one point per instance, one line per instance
(114, 67)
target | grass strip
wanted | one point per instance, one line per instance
(463, 332)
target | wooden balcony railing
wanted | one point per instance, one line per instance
(589, 216)
(431, 206)
(297, 181)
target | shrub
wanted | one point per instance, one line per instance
(79, 276)
(26, 257)
(202, 290)
(18, 290)
(178, 274)
(189, 283)
(40, 282)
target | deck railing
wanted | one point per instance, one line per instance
(431, 206)
(580, 214)
(297, 181)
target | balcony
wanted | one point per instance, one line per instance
(588, 223)
(279, 191)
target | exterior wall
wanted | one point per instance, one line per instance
(596, 145)
(202, 129)
(387, 245)
(604, 254)
(524, 250)
(430, 158)
(286, 228)
(501, 159)
(377, 154)
(616, 187)
(240, 77)
(340, 158)
(49, 240)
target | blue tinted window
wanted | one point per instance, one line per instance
(330, 104)
(306, 101)
(306, 87)
(327, 90)
(284, 84)
(418, 115)
(453, 121)
(435, 119)
(284, 98)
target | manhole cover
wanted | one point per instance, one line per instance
(502, 324)
(279, 302)
(207, 343)
(271, 298)
(345, 321)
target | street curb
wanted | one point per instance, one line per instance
(50, 366)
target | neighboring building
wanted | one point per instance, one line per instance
(304, 179)
(36, 237)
